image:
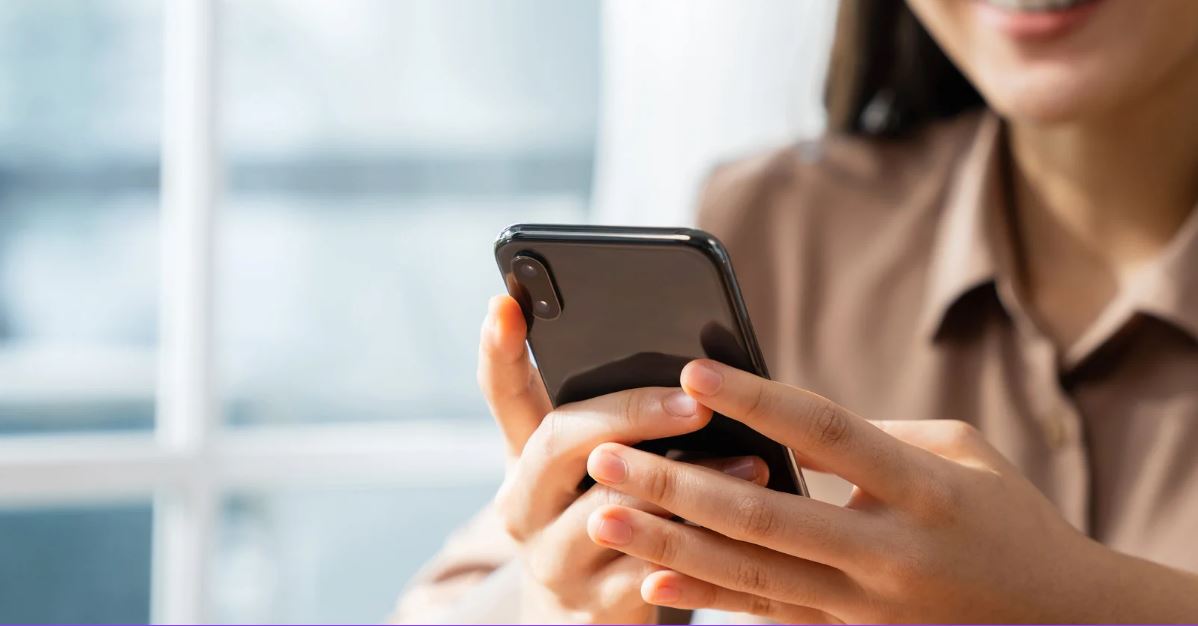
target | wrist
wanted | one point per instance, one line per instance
(1130, 589)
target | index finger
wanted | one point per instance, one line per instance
(795, 525)
(816, 428)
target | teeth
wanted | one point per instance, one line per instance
(1036, 5)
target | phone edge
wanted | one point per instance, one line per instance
(706, 243)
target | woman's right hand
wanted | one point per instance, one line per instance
(567, 578)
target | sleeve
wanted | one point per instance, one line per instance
(467, 580)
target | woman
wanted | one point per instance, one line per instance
(1013, 245)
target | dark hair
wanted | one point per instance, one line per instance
(887, 76)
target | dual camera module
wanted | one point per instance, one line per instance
(534, 277)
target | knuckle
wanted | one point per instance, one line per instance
(661, 484)
(515, 528)
(578, 605)
(666, 549)
(508, 510)
(759, 402)
(750, 576)
(829, 424)
(761, 606)
(630, 407)
(754, 518)
(548, 569)
(636, 405)
(960, 432)
(706, 595)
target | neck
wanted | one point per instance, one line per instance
(1120, 185)
(1095, 200)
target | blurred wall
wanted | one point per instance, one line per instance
(686, 85)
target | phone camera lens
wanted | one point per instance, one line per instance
(535, 285)
(527, 269)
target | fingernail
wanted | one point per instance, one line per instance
(744, 469)
(704, 379)
(664, 594)
(679, 404)
(613, 532)
(606, 467)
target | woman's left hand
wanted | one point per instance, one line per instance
(940, 527)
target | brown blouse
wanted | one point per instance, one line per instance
(879, 274)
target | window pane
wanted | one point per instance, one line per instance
(75, 565)
(329, 556)
(79, 121)
(376, 148)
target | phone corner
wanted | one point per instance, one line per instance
(706, 243)
(506, 236)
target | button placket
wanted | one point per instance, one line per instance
(1055, 428)
(1053, 409)
(1060, 423)
(1058, 416)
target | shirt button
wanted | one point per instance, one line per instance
(1055, 429)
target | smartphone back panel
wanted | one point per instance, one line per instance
(635, 305)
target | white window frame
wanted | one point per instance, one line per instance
(189, 463)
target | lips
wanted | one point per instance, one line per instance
(1036, 5)
(1035, 20)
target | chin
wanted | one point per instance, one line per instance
(1055, 61)
(1044, 100)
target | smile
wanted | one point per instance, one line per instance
(1036, 20)
(1036, 5)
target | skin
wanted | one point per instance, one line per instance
(940, 527)
(1102, 134)
(567, 577)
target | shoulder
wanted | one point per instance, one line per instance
(825, 234)
(835, 174)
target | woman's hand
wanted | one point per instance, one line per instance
(940, 526)
(566, 576)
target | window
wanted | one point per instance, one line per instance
(245, 249)
(79, 93)
(246, 394)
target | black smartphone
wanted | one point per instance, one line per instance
(615, 308)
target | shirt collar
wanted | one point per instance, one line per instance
(1170, 284)
(973, 245)
(964, 251)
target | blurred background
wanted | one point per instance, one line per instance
(247, 395)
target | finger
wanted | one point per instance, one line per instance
(511, 385)
(612, 588)
(619, 583)
(787, 523)
(719, 560)
(563, 551)
(952, 439)
(669, 588)
(816, 428)
(545, 478)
